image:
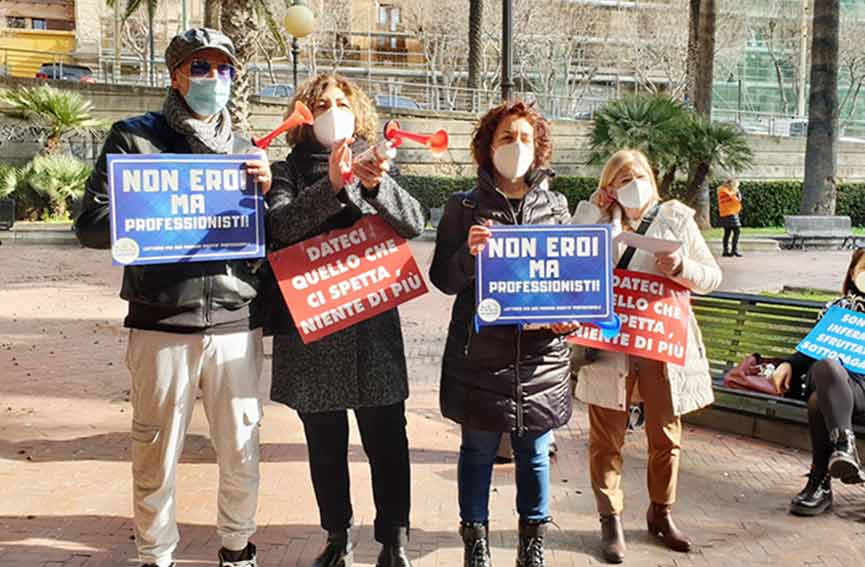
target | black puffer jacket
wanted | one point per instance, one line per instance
(185, 297)
(501, 378)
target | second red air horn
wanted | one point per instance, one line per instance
(436, 142)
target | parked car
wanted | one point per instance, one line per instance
(393, 101)
(281, 91)
(65, 72)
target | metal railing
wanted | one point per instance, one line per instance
(422, 90)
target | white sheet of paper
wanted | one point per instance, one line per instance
(647, 243)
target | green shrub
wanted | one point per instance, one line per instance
(765, 203)
(46, 187)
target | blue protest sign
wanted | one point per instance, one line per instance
(168, 208)
(839, 335)
(545, 274)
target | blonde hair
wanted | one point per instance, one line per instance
(365, 115)
(635, 160)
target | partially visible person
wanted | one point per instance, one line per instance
(189, 323)
(627, 197)
(362, 367)
(836, 397)
(729, 208)
(501, 380)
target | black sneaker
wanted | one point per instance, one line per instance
(246, 559)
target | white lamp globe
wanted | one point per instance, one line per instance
(299, 21)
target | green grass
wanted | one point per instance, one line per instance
(808, 294)
(718, 233)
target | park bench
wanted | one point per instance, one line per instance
(735, 325)
(820, 230)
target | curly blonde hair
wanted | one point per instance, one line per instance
(365, 115)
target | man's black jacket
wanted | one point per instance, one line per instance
(188, 297)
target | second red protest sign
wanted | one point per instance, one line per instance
(338, 279)
(654, 311)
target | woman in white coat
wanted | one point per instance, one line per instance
(627, 194)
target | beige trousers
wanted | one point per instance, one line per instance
(167, 371)
(663, 432)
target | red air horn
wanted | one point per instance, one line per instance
(301, 115)
(437, 142)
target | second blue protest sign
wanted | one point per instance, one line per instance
(839, 335)
(168, 208)
(545, 274)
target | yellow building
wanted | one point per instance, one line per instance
(35, 32)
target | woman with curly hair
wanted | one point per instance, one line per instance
(362, 367)
(501, 379)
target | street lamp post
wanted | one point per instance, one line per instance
(299, 22)
(507, 49)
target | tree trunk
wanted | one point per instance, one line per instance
(238, 23)
(693, 51)
(476, 8)
(211, 14)
(667, 182)
(698, 191)
(821, 157)
(703, 77)
(151, 42)
(705, 70)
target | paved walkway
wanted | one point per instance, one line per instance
(64, 449)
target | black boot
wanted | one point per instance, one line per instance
(530, 552)
(393, 554)
(477, 546)
(815, 498)
(844, 462)
(337, 552)
(612, 538)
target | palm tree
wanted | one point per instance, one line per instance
(211, 14)
(654, 125)
(821, 155)
(60, 112)
(713, 147)
(240, 22)
(476, 16)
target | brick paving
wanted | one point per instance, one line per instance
(65, 473)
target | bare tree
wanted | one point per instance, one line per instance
(777, 27)
(851, 62)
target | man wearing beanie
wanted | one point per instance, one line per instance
(189, 323)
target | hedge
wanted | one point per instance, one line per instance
(765, 203)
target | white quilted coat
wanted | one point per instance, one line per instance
(602, 382)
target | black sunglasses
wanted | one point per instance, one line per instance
(199, 69)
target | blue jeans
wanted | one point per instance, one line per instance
(532, 458)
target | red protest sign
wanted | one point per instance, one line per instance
(654, 312)
(338, 279)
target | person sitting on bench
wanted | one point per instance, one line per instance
(835, 396)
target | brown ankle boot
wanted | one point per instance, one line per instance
(612, 538)
(660, 523)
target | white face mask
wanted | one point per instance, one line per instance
(859, 282)
(636, 194)
(333, 126)
(513, 160)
